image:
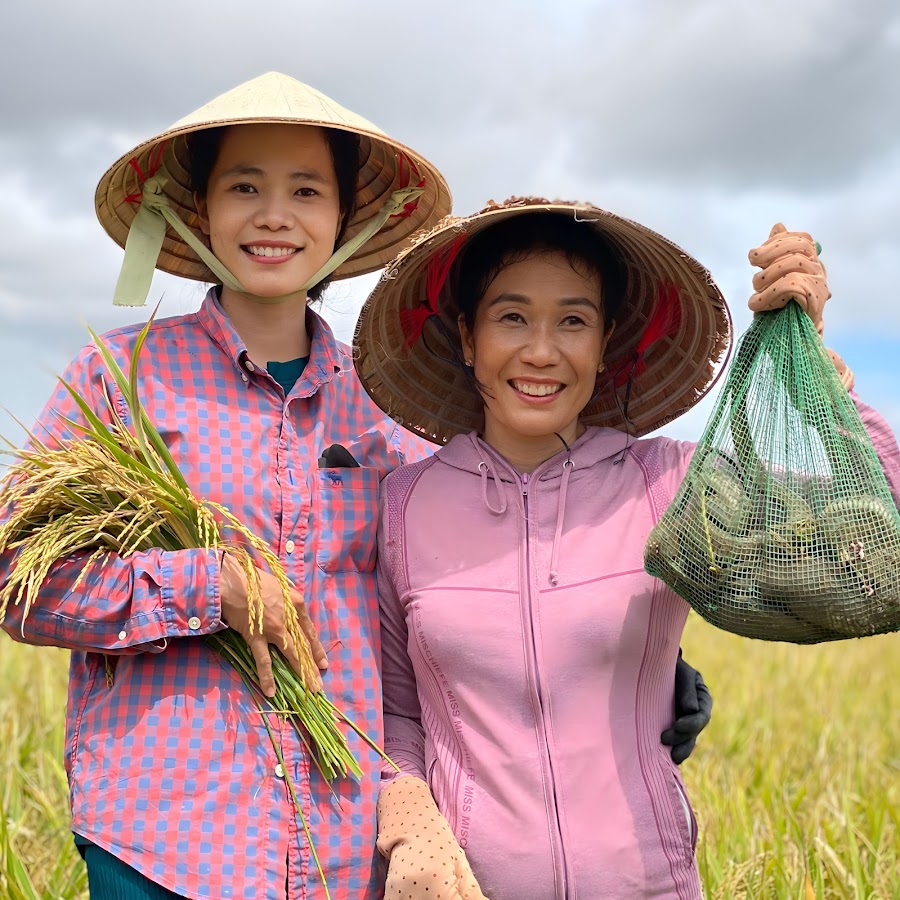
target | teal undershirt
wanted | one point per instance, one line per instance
(287, 373)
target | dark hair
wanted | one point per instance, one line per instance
(203, 149)
(521, 237)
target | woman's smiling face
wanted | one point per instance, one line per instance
(537, 343)
(272, 209)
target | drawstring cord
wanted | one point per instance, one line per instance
(568, 465)
(484, 468)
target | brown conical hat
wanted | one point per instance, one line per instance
(425, 388)
(386, 165)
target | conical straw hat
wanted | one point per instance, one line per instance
(386, 165)
(425, 386)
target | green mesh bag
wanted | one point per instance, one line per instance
(784, 527)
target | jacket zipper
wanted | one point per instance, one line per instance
(540, 699)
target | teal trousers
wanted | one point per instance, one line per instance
(111, 879)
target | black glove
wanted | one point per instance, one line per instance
(693, 709)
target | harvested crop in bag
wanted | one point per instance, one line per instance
(784, 527)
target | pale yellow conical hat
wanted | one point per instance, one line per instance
(386, 166)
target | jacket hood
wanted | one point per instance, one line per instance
(468, 452)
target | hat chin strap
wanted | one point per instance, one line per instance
(145, 240)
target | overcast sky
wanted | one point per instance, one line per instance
(707, 120)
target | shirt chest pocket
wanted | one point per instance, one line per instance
(347, 513)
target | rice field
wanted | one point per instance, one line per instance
(796, 783)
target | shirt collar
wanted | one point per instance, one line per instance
(325, 356)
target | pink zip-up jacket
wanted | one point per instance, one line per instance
(528, 662)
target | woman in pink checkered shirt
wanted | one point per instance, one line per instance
(175, 787)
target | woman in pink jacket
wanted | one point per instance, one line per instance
(527, 656)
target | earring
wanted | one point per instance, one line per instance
(601, 369)
(470, 363)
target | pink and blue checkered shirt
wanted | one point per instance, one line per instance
(171, 768)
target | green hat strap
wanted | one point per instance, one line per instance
(393, 206)
(144, 243)
(145, 240)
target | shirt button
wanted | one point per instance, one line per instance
(193, 623)
(244, 376)
(279, 770)
(289, 547)
(122, 635)
(250, 366)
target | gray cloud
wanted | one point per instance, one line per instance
(743, 94)
(123, 65)
(704, 120)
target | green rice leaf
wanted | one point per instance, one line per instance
(109, 361)
(131, 396)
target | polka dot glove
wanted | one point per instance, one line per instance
(424, 860)
(791, 270)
